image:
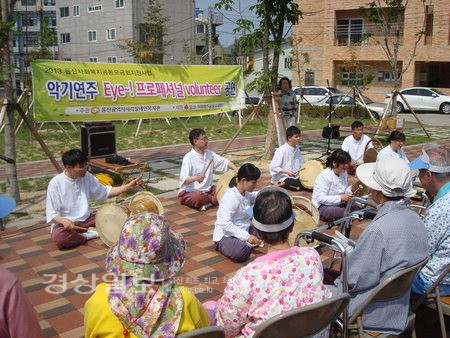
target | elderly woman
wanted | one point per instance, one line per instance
(143, 300)
(331, 190)
(283, 279)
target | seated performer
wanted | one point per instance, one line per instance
(355, 144)
(331, 190)
(394, 149)
(68, 196)
(287, 161)
(434, 174)
(143, 299)
(288, 101)
(196, 176)
(395, 240)
(283, 279)
(233, 234)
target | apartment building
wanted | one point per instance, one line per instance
(90, 31)
(34, 21)
(331, 31)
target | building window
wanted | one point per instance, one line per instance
(200, 29)
(28, 2)
(352, 79)
(349, 32)
(120, 3)
(92, 36)
(112, 59)
(29, 21)
(93, 59)
(95, 8)
(429, 24)
(76, 10)
(111, 34)
(63, 12)
(31, 41)
(288, 62)
(65, 37)
(51, 22)
(49, 2)
(386, 76)
(309, 78)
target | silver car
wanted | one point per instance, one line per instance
(377, 109)
(421, 98)
(312, 94)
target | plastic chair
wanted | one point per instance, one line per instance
(206, 332)
(391, 288)
(305, 321)
(433, 300)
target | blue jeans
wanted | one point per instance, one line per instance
(421, 285)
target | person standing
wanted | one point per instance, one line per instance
(288, 101)
(68, 196)
(287, 161)
(434, 174)
(196, 176)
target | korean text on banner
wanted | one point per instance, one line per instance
(76, 91)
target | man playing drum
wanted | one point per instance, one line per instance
(196, 176)
(287, 160)
(68, 196)
(355, 145)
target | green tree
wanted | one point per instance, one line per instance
(7, 69)
(388, 17)
(150, 46)
(266, 34)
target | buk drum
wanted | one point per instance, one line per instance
(145, 201)
(108, 222)
(225, 182)
(307, 218)
(360, 189)
(370, 154)
(309, 172)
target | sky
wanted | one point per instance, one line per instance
(225, 31)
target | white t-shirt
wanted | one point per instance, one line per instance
(328, 187)
(70, 198)
(285, 157)
(194, 164)
(356, 147)
(388, 152)
(232, 218)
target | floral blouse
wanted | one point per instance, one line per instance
(271, 284)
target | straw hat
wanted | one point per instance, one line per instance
(108, 223)
(148, 248)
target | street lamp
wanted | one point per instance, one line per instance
(208, 23)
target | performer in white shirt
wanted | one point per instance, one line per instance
(396, 141)
(355, 144)
(196, 176)
(331, 190)
(234, 236)
(287, 161)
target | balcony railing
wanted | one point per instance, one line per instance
(361, 34)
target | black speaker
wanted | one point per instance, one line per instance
(98, 139)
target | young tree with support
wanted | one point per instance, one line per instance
(267, 35)
(389, 17)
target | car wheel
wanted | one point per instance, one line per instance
(400, 109)
(375, 115)
(445, 108)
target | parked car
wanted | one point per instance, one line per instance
(377, 109)
(313, 94)
(421, 98)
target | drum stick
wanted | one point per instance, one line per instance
(293, 187)
(76, 227)
(357, 189)
(207, 167)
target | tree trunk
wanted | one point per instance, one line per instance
(12, 183)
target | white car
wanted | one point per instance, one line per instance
(421, 98)
(377, 109)
(313, 94)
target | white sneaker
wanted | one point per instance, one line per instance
(91, 234)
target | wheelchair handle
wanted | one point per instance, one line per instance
(322, 237)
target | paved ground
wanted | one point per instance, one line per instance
(59, 282)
